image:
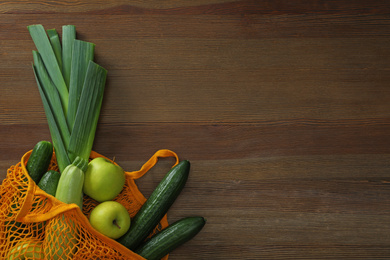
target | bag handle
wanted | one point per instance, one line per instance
(163, 153)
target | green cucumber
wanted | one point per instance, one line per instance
(156, 206)
(37, 165)
(39, 160)
(49, 182)
(170, 238)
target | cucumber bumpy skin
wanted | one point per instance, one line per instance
(171, 238)
(39, 160)
(156, 206)
(49, 182)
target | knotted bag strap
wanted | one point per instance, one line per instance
(163, 153)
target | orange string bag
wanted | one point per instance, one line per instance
(34, 223)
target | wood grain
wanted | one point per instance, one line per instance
(282, 107)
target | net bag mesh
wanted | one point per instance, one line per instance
(35, 225)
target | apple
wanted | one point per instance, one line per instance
(26, 249)
(110, 218)
(103, 179)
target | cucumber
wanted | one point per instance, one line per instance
(170, 238)
(156, 206)
(37, 165)
(39, 160)
(49, 182)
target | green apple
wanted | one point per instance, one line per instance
(26, 249)
(111, 219)
(103, 180)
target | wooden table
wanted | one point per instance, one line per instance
(282, 107)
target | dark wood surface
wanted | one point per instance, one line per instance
(282, 107)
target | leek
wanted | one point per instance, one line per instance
(83, 132)
(68, 36)
(52, 97)
(83, 52)
(72, 108)
(39, 36)
(59, 147)
(56, 45)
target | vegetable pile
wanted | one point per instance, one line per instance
(71, 86)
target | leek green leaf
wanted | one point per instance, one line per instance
(59, 147)
(68, 36)
(83, 52)
(88, 111)
(53, 98)
(56, 45)
(39, 36)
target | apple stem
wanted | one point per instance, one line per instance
(116, 224)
